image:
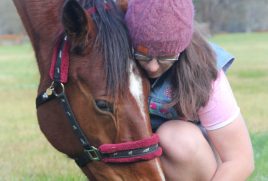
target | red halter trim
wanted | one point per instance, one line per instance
(111, 148)
(93, 10)
(149, 156)
(64, 53)
(130, 147)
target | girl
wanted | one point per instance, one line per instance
(190, 94)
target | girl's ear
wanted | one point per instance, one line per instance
(123, 5)
(75, 20)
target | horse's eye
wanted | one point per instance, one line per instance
(104, 106)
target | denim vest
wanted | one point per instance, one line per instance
(161, 92)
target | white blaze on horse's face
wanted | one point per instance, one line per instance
(136, 89)
(160, 171)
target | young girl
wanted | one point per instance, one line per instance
(192, 107)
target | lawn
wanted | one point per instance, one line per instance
(26, 154)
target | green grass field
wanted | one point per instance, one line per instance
(26, 154)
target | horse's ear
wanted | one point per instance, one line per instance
(122, 4)
(74, 20)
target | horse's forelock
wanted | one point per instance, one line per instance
(111, 42)
(112, 38)
(85, 3)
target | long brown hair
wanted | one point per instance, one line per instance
(193, 75)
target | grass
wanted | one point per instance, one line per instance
(260, 146)
(26, 155)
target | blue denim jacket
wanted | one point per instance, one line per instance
(161, 90)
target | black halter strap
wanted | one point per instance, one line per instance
(56, 90)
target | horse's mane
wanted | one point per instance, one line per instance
(113, 43)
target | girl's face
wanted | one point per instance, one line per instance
(155, 66)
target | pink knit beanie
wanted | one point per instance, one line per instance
(160, 27)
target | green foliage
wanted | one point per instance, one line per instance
(27, 155)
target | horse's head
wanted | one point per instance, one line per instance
(106, 91)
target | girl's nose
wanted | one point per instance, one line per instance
(153, 65)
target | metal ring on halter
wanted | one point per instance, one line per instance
(58, 89)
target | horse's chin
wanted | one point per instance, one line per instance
(140, 171)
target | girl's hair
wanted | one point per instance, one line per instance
(193, 76)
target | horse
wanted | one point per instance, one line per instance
(92, 96)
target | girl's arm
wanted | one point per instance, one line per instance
(227, 132)
(234, 147)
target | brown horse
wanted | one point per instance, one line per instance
(106, 92)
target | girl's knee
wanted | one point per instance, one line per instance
(180, 140)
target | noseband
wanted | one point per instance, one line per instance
(127, 152)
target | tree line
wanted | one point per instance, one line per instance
(233, 15)
(218, 15)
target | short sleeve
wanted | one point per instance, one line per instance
(222, 108)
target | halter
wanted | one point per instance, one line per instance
(127, 152)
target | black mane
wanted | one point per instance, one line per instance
(113, 42)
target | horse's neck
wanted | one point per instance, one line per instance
(41, 20)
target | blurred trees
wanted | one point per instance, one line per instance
(9, 20)
(219, 15)
(233, 15)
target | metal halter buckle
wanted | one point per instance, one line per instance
(55, 88)
(93, 154)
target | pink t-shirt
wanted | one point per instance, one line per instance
(221, 108)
